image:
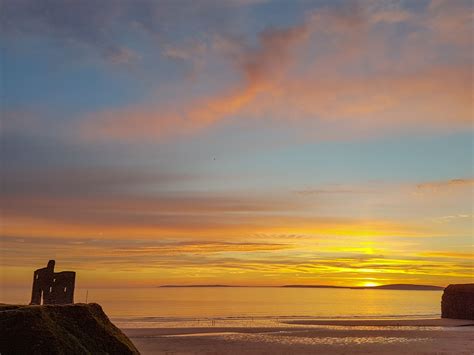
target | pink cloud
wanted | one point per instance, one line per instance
(354, 84)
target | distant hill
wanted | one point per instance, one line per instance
(315, 286)
(410, 287)
(198, 286)
(407, 287)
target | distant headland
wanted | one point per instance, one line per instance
(406, 287)
(200, 286)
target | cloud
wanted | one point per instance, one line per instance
(113, 203)
(84, 182)
(110, 204)
(450, 20)
(121, 248)
(82, 23)
(331, 190)
(105, 201)
(256, 65)
(107, 28)
(447, 254)
(180, 260)
(336, 74)
(454, 218)
(340, 72)
(445, 184)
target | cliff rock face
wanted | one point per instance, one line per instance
(60, 329)
(458, 302)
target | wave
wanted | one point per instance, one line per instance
(153, 319)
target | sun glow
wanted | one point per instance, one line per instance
(370, 284)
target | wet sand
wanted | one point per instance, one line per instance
(413, 336)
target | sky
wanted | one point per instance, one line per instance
(241, 142)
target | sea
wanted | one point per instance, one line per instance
(158, 306)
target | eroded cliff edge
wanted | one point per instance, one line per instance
(458, 302)
(60, 329)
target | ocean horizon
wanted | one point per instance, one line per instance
(152, 306)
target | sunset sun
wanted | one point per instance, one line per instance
(370, 284)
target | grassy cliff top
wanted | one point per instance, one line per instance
(60, 329)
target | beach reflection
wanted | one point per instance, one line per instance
(296, 340)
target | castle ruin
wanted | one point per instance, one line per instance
(51, 287)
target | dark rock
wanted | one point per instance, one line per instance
(60, 329)
(458, 302)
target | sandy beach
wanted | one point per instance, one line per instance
(397, 336)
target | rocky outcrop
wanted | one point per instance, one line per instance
(60, 329)
(458, 302)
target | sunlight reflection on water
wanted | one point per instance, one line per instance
(170, 304)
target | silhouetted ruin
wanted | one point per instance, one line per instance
(51, 287)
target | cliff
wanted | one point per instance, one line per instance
(458, 302)
(60, 329)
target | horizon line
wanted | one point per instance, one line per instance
(385, 286)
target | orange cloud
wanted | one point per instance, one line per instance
(96, 223)
(106, 204)
(445, 184)
(152, 262)
(155, 122)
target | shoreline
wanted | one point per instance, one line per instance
(410, 336)
(294, 326)
(284, 321)
(419, 322)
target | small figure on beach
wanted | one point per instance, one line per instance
(51, 287)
